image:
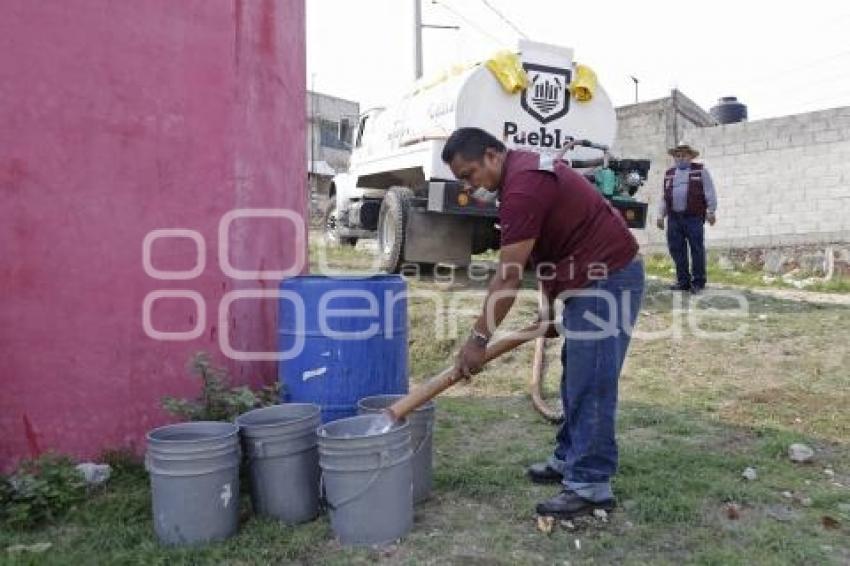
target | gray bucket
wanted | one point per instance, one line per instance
(421, 439)
(194, 471)
(281, 448)
(368, 480)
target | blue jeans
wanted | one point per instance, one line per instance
(586, 452)
(687, 231)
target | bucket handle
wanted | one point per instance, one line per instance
(429, 432)
(384, 458)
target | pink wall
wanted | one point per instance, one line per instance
(119, 118)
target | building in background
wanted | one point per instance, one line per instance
(781, 182)
(331, 122)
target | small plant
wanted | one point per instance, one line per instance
(40, 490)
(218, 400)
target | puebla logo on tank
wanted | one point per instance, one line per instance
(547, 97)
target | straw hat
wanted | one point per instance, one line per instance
(683, 147)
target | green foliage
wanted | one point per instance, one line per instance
(218, 400)
(41, 490)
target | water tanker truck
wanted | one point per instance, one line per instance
(399, 191)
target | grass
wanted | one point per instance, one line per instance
(694, 413)
(661, 265)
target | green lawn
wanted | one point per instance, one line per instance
(694, 413)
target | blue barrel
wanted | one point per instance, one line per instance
(342, 338)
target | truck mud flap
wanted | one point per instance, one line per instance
(438, 238)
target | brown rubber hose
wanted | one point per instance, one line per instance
(538, 372)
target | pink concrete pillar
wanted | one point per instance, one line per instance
(119, 118)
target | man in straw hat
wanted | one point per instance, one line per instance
(688, 201)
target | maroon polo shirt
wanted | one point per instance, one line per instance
(578, 233)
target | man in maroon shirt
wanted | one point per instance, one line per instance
(585, 255)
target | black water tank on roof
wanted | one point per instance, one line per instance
(729, 111)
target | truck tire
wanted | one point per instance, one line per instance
(332, 237)
(392, 222)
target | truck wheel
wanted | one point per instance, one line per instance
(332, 238)
(392, 222)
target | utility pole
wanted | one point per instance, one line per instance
(417, 39)
(418, 26)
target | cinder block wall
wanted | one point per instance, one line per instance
(782, 181)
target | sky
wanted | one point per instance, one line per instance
(776, 59)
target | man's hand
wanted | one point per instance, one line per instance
(470, 360)
(711, 218)
(660, 222)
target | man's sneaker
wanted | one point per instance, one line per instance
(677, 287)
(697, 289)
(544, 473)
(568, 504)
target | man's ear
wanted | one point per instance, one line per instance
(492, 154)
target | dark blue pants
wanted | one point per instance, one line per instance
(687, 231)
(592, 357)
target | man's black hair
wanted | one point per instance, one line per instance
(470, 144)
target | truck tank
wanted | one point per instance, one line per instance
(541, 118)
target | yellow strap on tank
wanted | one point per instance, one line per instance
(584, 84)
(507, 68)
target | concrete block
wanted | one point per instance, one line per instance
(778, 142)
(781, 229)
(813, 152)
(830, 224)
(805, 227)
(839, 150)
(729, 220)
(815, 125)
(802, 138)
(774, 260)
(842, 191)
(827, 136)
(733, 149)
